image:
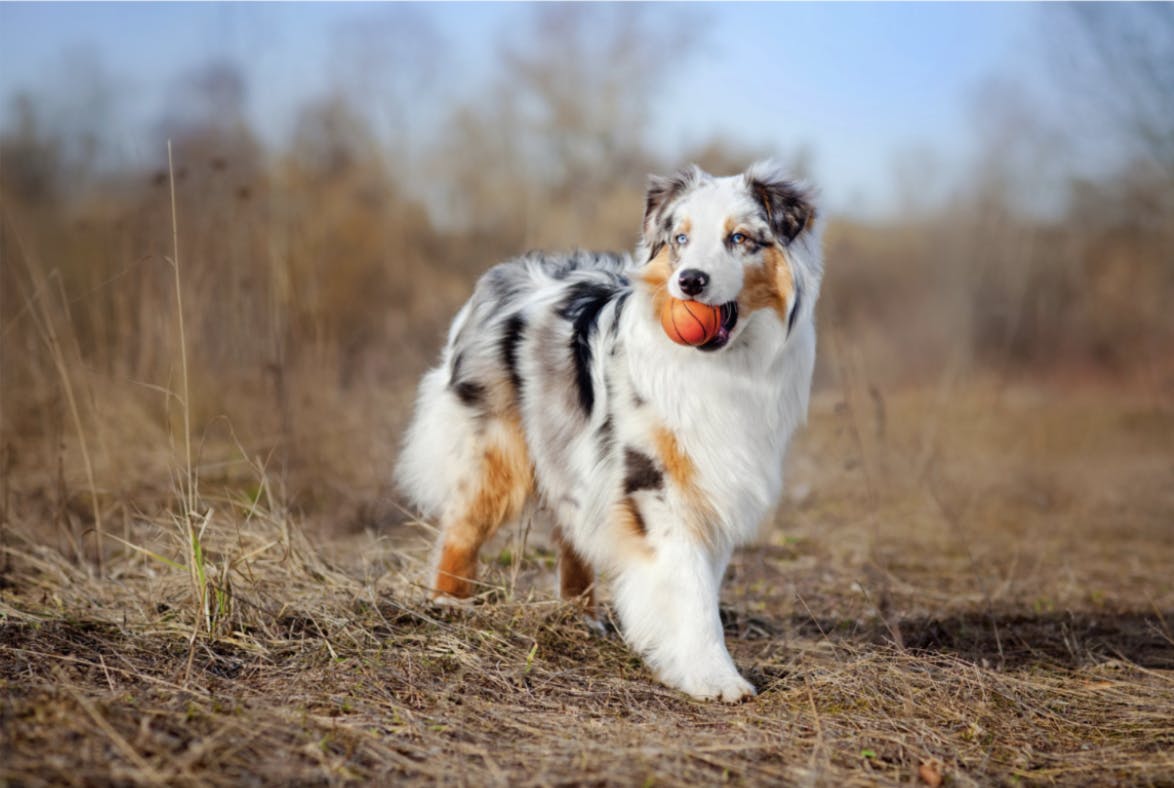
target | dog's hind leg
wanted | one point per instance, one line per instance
(494, 491)
(464, 463)
(576, 579)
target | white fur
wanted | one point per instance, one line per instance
(732, 413)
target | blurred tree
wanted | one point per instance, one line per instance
(1021, 157)
(207, 119)
(723, 157)
(584, 76)
(62, 131)
(86, 108)
(216, 94)
(30, 155)
(1122, 64)
(542, 153)
(331, 139)
(1066, 244)
(387, 67)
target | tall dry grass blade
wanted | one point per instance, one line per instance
(190, 491)
(192, 535)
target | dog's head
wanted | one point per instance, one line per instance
(734, 242)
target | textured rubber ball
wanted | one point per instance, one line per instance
(690, 322)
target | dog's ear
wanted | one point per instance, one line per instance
(787, 206)
(662, 192)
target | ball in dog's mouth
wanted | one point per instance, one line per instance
(729, 320)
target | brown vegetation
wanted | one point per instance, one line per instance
(969, 579)
(957, 587)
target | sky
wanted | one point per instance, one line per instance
(856, 84)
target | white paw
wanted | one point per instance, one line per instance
(726, 687)
(444, 600)
(597, 626)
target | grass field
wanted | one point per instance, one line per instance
(210, 340)
(967, 585)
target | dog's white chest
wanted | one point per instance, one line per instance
(733, 416)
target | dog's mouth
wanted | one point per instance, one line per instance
(729, 320)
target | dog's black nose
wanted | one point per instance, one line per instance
(693, 281)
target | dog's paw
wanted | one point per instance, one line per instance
(597, 626)
(441, 599)
(726, 687)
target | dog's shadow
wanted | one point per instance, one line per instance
(1001, 640)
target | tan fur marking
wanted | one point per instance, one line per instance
(634, 519)
(676, 463)
(507, 478)
(784, 279)
(656, 276)
(576, 578)
(770, 285)
(631, 530)
(682, 472)
(455, 572)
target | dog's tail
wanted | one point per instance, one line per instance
(439, 443)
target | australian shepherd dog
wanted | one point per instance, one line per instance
(558, 389)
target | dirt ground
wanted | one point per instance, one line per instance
(963, 586)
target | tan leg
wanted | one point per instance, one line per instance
(576, 579)
(504, 482)
(456, 571)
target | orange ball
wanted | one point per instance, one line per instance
(690, 322)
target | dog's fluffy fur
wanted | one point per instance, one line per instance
(558, 388)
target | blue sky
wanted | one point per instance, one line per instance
(858, 84)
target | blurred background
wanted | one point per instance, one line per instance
(998, 181)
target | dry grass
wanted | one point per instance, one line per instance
(971, 586)
(205, 578)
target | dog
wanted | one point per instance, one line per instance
(559, 389)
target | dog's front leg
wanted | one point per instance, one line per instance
(668, 606)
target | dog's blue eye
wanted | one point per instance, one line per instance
(737, 239)
(682, 239)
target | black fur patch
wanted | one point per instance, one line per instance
(607, 438)
(470, 393)
(582, 309)
(621, 302)
(785, 207)
(661, 193)
(515, 327)
(606, 430)
(794, 312)
(640, 473)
